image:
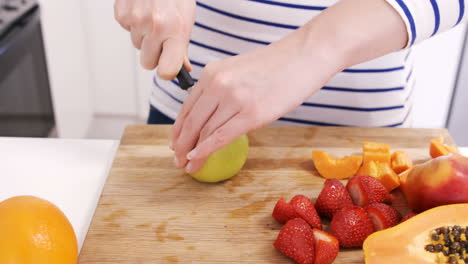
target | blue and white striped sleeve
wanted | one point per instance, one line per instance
(425, 18)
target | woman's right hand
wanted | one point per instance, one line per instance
(161, 29)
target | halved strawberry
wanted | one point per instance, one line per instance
(383, 216)
(365, 190)
(326, 247)
(296, 241)
(351, 226)
(283, 211)
(305, 209)
(408, 216)
(332, 198)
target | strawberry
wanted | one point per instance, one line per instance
(351, 226)
(383, 216)
(326, 247)
(332, 198)
(283, 211)
(365, 190)
(305, 209)
(296, 241)
(408, 216)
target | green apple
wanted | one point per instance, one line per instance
(224, 163)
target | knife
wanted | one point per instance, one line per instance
(185, 79)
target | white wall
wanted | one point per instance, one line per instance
(67, 64)
(436, 65)
(111, 60)
(94, 67)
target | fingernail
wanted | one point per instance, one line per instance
(188, 169)
(176, 162)
(191, 154)
(171, 145)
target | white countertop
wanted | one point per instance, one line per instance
(69, 173)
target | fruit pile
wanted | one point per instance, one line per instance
(356, 211)
(363, 206)
(376, 161)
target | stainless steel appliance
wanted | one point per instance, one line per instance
(26, 108)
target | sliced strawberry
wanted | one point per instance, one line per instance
(296, 241)
(305, 209)
(365, 190)
(283, 211)
(383, 216)
(326, 247)
(408, 216)
(351, 226)
(332, 198)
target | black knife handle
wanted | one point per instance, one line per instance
(184, 78)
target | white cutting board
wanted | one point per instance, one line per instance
(69, 173)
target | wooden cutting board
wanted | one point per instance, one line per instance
(150, 212)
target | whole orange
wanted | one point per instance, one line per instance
(33, 230)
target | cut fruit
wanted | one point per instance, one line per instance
(435, 236)
(382, 172)
(382, 157)
(299, 207)
(375, 147)
(383, 216)
(366, 190)
(332, 198)
(296, 240)
(401, 161)
(438, 148)
(326, 247)
(351, 226)
(330, 167)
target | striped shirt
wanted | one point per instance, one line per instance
(374, 93)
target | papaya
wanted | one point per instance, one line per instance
(438, 235)
(330, 167)
(437, 148)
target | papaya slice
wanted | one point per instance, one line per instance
(435, 236)
(401, 161)
(437, 148)
(331, 167)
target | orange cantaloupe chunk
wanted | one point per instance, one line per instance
(383, 157)
(331, 167)
(375, 147)
(382, 172)
(401, 161)
(438, 148)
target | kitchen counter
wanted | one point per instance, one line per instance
(69, 173)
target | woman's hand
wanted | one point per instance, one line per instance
(160, 29)
(246, 92)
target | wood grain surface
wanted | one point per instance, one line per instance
(150, 212)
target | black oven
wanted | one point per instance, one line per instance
(26, 108)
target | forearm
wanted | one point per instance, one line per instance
(355, 31)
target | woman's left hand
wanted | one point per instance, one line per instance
(245, 92)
